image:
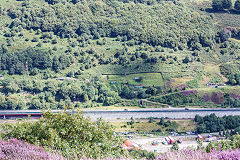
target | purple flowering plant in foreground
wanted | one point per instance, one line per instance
(235, 96)
(14, 149)
(18, 150)
(189, 92)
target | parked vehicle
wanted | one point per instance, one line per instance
(179, 141)
(209, 135)
(169, 140)
(164, 142)
(199, 137)
(211, 139)
(154, 143)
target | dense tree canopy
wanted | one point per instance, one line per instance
(221, 4)
(237, 5)
(158, 23)
(25, 61)
(212, 123)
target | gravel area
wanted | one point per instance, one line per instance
(146, 144)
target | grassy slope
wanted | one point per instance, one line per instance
(149, 79)
(145, 126)
(181, 73)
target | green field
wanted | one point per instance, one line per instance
(145, 126)
(148, 79)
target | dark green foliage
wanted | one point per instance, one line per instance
(127, 93)
(222, 36)
(227, 4)
(131, 122)
(219, 5)
(212, 123)
(229, 101)
(143, 154)
(12, 102)
(175, 147)
(198, 119)
(144, 56)
(53, 1)
(186, 59)
(20, 62)
(152, 60)
(57, 92)
(177, 99)
(34, 72)
(35, 39)
(161, 122)
(151, 120)
(101, 19)
(152, 91)
(24, 61)
(234, 79)
(237, 5)
(171, 126)
(54, 41)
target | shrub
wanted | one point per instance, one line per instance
(186, 59)
(35, 39)
(237, 5)
(227, 4)
(175, 146)
(212, 123)
(221, 4)
(69, 133)
(143, 154)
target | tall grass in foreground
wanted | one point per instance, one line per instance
(188, 154)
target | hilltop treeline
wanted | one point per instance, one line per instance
(169, 24)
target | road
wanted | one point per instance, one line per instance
(177, 113)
